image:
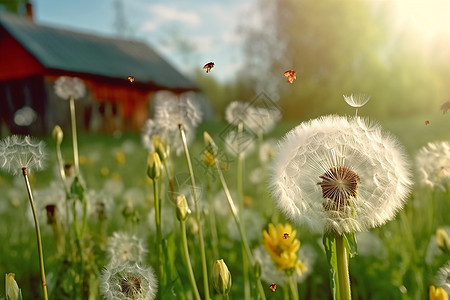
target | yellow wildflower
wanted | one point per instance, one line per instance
(120, 157)
(208, 158)
(281, 244)
(438, 293)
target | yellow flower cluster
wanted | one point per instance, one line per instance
(281, 244)
(438, 293)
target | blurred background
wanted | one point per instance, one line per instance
(395, 51)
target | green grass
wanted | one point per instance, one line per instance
(399, 271)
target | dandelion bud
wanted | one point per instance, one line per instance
(207, 138)
(154, 166)
(221, 277)
(162, 150)
(182, 208)
(443, 240)
(57, 134)
(257, 268)
(11, 288)
(208, 158)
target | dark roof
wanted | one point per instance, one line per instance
(66, 50)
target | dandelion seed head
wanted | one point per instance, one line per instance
(128, 281)
(123, 247)
(17, 152)
(339, 174)
(65, 87)
(443, 277)
(170, 111)
(239, 143)
(433, 164)
(356, 100)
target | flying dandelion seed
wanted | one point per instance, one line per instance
(130, 78)
(445, 107)
(427, 122)
(273, 287)
(208, 67)
(340, 174)
(291, 75)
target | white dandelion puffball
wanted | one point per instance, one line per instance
(443, 277)
(339, 174)
(65, 87)
(356, 100)
(123, 247)
(128, 281)
(17, 152)
(433, 164)
(170, 111)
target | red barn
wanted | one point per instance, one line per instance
(33, 56)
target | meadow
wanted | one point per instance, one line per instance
(399, 260)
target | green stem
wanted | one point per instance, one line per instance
(293, 286)
(236, 218)
(240, 194)
(158, 230)
(170, 179)
(286, 287)
(225, 297)
(73, 121)
(342, 268)
(187, 261)
(78, 242)
(197, 212)
(212, 221)
(38, 233)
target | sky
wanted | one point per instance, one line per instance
(191, 33)
(188, 34)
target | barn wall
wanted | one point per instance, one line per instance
(15, 61)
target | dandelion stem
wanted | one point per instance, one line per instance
(197, 212)
(342, 268)
(158, 229)
(286, 290)
(212, 221)
(170, 179)
(236, 217)
(78, 242)
(38, 233)
(73, 121)
(185, 252)
(240, 194)
(293, 286)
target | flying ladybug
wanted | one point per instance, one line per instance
(291, 75)
(208, 66)
(273, 287)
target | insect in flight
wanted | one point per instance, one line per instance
(291, 75)
(208, 66)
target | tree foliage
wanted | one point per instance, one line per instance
(341, 47)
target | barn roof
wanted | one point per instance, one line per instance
(71, 51)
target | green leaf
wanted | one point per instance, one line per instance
(350, 244)
(329, 242)
(173, 289)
